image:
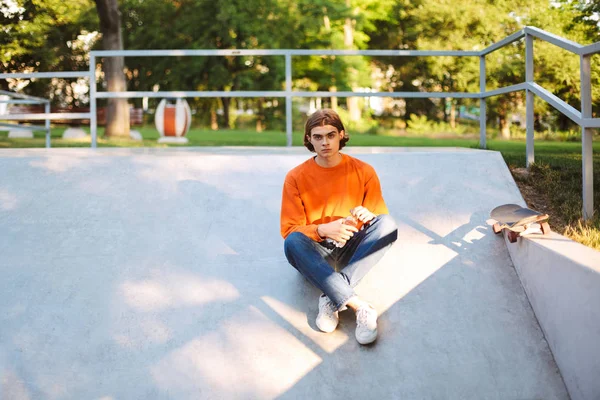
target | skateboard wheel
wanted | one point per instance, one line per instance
(512, 236)
(497, 228)
(546, 228)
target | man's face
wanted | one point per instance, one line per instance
(326, 140)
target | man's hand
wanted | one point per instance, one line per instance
(337, 231)
(362, 214)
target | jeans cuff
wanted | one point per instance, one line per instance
(343, 302)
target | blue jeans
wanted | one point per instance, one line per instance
(319, 262)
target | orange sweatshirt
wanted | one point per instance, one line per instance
(314, 195)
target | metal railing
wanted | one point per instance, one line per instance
(16, 98)
(582, 118)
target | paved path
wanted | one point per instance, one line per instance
(159, 274)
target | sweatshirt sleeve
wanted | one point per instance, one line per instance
(293, 217)
(373, 199)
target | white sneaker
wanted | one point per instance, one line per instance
(328, 319)
(366, 324)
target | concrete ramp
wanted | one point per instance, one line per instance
(160, 274)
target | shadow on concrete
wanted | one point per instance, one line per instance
(150, 275)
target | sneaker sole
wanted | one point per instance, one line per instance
(367, 340)
(326, 330)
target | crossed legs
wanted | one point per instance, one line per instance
(318, 263)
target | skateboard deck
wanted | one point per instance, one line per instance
(519, 221)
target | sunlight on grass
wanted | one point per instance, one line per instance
(586, 233)
(557, 179)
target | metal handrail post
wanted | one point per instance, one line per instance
(482, 104)
(529, 115)
(47, 111)
(288, 98)
(586, 138)
(93, 122)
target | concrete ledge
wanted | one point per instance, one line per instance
(562, 280)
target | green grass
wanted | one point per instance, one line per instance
(556, 175)
(200, 137)
(196, 137)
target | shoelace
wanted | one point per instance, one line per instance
(362, 316)
(328, 306)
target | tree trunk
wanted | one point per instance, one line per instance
(117, 111)
(353, 108)
(334, 100)
(225, 101)
(452, 114)
(260, 117)
(214, 124)
(326, 22)
(327, 25)
(503, 122)
(351, 102)
(446, 103)
(563, 122)
(504, 126)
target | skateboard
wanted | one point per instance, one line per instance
(519, 221)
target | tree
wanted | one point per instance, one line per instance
(51, 35)
(206, 24)
(117, 112)
(451, 25)
(587, 13)
(465, 26)
(587, 25)
(48, 35)
(337, 24)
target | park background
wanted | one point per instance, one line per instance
(52, 35)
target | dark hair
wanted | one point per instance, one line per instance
(324, 117)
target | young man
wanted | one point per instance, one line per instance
(335, 223)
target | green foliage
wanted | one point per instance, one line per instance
(585, 17)
(421, 125)
(44, 35)
(365, 125)
(228, 25)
